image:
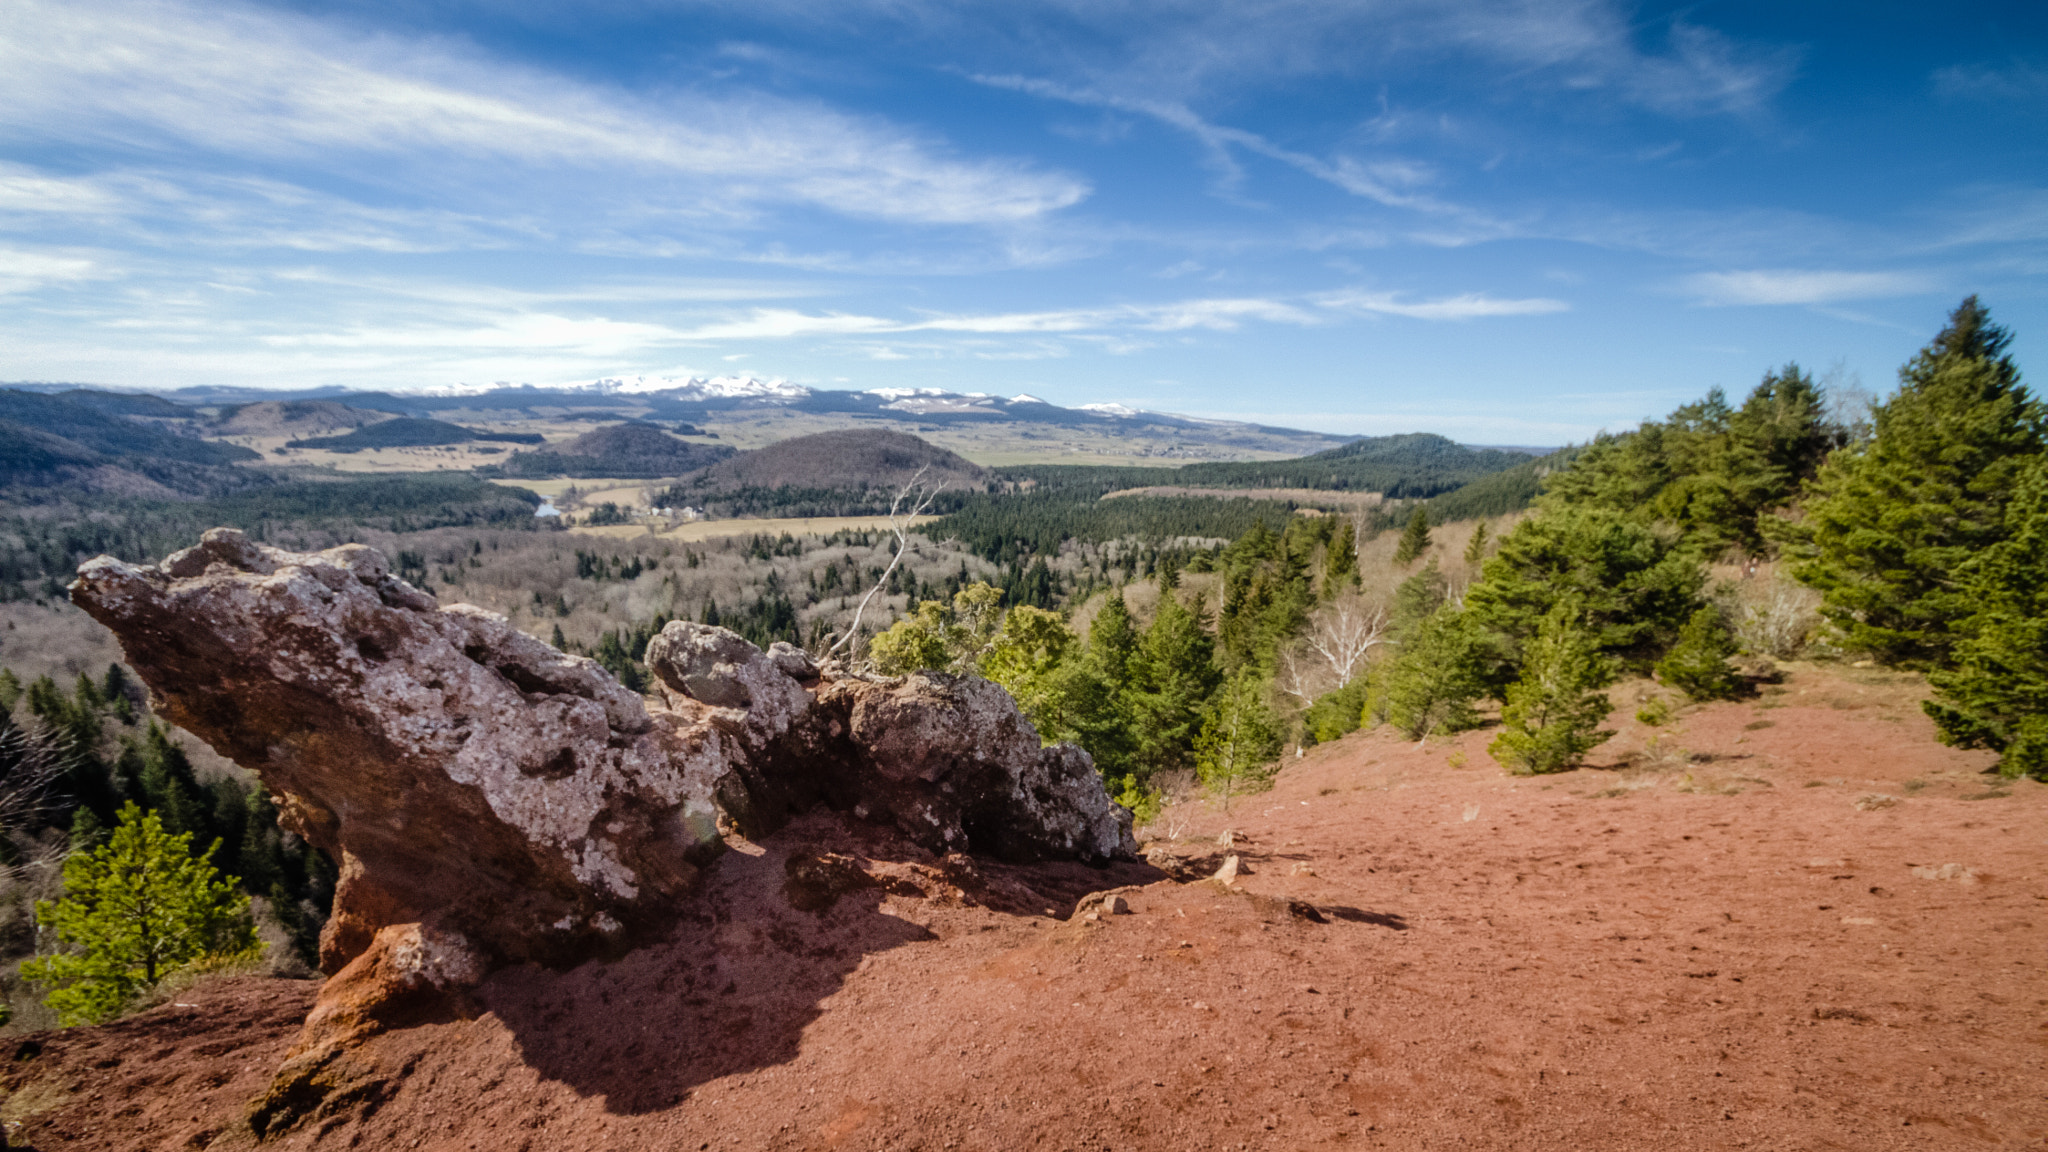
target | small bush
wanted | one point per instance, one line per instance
(1437, 678)
(1697, 664)
(1655, 711)
(1554, 709)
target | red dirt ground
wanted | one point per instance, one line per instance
(1809, 928)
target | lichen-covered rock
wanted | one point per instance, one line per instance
(948, 760)
(953, 764)
(463, 773)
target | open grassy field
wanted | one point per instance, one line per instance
(719, 529)
(1314, 496)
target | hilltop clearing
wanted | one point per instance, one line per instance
(854, 458)
(1815, 928)
(627, 451)
(292, 419)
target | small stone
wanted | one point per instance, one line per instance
(1117, 906)
(1227, 875)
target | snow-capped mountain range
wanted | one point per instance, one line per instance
(700, 399)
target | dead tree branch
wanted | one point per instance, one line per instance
(917, 496)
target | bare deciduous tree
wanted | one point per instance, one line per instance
(1341, 634)
(31, 764)
(916, 495)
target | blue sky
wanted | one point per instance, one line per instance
(1510, 223)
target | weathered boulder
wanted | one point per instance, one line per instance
(948, 760)
(462, 773)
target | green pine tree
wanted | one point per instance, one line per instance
(1996, 695)
(1340, 564)
(1175, 673)
(1553, 712)
(1240, 738)
(1415, 539)
(1635, 584)
(1697, 663)
(1112, 638)
(134, 910)
(1415, 600)
(1888, 524)
(1437, 677)
(1475, 549)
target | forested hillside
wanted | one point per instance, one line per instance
(1917, 536)
(1419, 464)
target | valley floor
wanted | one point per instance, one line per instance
(1811, 927)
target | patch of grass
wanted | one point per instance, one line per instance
(1993, 794)
(1914, 785)
(1815, 784)
(1754, 725)
(1656, 712)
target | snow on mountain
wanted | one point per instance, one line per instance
(1110, 409)
(1025, 398)
(696, 387)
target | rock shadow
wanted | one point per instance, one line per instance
(1394, 920)
(733, 987)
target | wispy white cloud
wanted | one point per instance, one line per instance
(1794, 286)
(2015, 81)
(25, 270)
(1469, 306)
(234, 82)
(1391, 181)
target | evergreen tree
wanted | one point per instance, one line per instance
(1475, 549)
(1709, 470)
(1553, 712)
(1415, 539)
(1634, 583)
(1415, 600)
(1112, 638)
(1239, 738)
(1889, 523)
(1996, 694)
(1437, 677)
(1175, 673)
(1697, 663)
(1340, 564)
(134, 909)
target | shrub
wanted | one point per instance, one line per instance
(1697, 664)
(1553, 713)
(1437, 678)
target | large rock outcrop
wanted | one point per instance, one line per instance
(463, 774)
(515, 803)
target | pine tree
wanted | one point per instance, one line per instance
(1111, 637)
(1340, 565)
(1634, 583)
(1239, 738)
(1415, 539)
(1553, 713)
(1175, 672)
(135, 909)
(1437, 677)
(1697, 663)
(1996, 695)
(1475, 549)
(1415, 600)
(1889, 523)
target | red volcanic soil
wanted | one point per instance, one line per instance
(1796, 922)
